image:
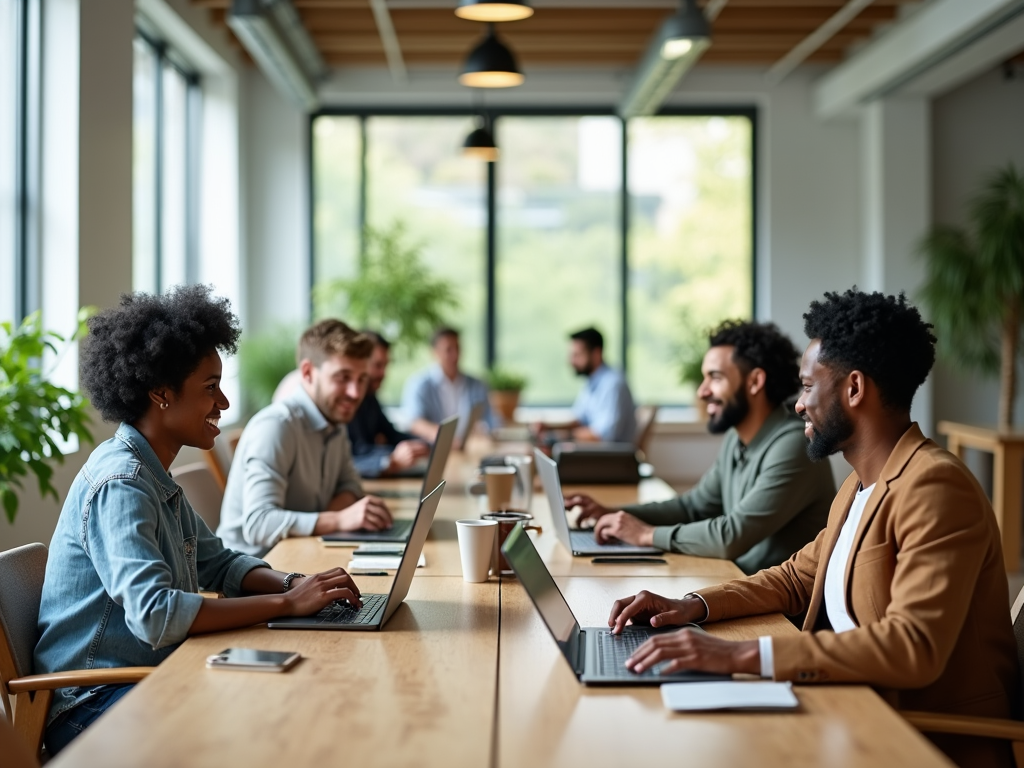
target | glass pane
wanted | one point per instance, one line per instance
(559, 246)
(144, 168)
(417, 175)
(691, 242)
(336, 148)
(8, 148)
(173, 224)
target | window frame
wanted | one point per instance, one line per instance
(165, 56)
(495, 114)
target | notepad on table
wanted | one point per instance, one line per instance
(731, 694)
(381, 563)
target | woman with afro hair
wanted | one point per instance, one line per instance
(129, 555)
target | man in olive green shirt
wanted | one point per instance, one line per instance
(763, 499)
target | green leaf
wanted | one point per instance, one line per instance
(10, 502)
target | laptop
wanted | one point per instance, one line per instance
(377, 608)
(399, 530)
(581, 543)
(434, 472)
(475, 414)
(596, 656)
(597, 463)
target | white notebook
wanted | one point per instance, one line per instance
(731, 694)
(380, 563)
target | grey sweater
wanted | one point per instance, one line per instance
(757, 505)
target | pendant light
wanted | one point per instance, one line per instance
(683, 30)
(494, 10)
(491, 65)
(480, 143)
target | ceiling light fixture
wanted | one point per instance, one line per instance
(494, 10)
(674, 49)
(491, 65)
(480, 143)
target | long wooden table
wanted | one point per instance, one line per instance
(467, 675)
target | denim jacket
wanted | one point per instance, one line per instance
(126, 562)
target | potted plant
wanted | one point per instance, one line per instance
(394, 292)
(264, 359)
(975, 285)
(505, 387)
(34, 413)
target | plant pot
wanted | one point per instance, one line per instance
(504, 403)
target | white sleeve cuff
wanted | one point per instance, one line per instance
(764, 645)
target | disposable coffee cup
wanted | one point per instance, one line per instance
(500, 481)
(476, 547)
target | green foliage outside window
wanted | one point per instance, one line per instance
(34, 413)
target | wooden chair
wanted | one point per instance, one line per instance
(645, 418)
(14, 749)
(219, 459)
(21, 573)
(988, 727)
(202, 490)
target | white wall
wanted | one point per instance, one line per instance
(976, 128)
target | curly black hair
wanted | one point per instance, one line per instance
(762, 345)
(882, 336)
(152, 341)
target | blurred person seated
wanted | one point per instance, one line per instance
(377, 447)
(293, 474)
(905, 589)
(442, 390)
(604, 410)
(763, 499)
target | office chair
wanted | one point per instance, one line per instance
(989, 727)
(202, 490)
(21, 572)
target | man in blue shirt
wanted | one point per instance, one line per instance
(377, 447)
(442, 390)
(604, 410)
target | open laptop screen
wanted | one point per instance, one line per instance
(541, 587)
(439, 454)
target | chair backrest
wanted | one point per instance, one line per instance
(202, 491)
(1017, 617)
(645, 417)
(21, 572)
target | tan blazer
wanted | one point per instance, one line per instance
(926, 587)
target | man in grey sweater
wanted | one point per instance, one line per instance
(763, 499)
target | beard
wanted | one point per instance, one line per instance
(585, 370)
(733, 412)
(836, 429)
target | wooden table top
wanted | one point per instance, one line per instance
(459, 658)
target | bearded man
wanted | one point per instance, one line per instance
(763, 499)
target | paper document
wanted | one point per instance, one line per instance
(382, 563)
(732, 694)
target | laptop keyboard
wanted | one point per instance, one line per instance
(343, 613)
(613, 650)
(586, 540)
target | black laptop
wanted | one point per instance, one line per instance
(399, 530)
(596, 656)
(377, 608)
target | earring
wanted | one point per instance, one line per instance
(163, 406)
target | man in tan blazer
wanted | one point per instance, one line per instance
(905, 588)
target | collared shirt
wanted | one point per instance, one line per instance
(368, 426)
(431, 396)
(835, 580)
(605, 405)
(288, 465)
(125, 565)
(757, 505)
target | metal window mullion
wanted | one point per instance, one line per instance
(158, 167)
(363, 182)
(27, 253)
(193, 211)
(624, 233)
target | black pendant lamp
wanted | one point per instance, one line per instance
(491, 65)
(480, 143)
(494, 10)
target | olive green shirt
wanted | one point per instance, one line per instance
(757, 505)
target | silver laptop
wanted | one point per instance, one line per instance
(399, 530)
(596, 656)
(377, 608)
(465, 430)
(581, 543)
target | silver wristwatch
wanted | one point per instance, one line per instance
(287, 583)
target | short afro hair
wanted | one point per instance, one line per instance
(764, 346)
(149, 342)
(882, 336)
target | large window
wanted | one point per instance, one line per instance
(165, 188)
(643, 229)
